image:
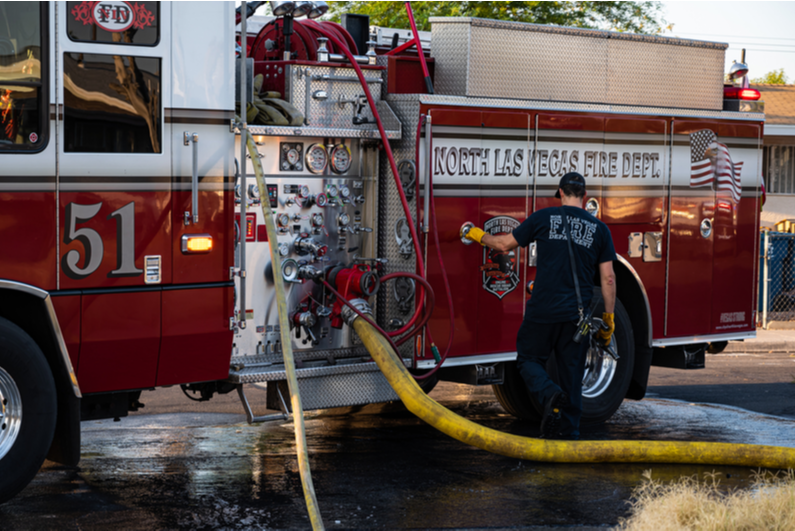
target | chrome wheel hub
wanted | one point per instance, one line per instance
(600, 369)
(10, 412)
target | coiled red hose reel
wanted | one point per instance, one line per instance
(270, 43)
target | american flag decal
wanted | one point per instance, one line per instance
(710, 161)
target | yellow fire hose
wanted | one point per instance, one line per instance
(444, 420)
(287, 348)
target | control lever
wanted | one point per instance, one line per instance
(306, 245)
(361, 259)
(306, 320)
(358, 228)
(308, 272)
(358, 119)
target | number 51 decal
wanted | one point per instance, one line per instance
(92, 242)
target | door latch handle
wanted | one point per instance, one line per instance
(188, 139)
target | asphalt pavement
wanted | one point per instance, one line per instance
(178, 464)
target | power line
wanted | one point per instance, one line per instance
(761, 50)
(734, 36)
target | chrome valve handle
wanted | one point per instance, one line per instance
(464, 231)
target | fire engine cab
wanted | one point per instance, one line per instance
(134, 249)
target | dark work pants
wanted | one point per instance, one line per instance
(534, 344)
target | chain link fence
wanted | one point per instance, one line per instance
(777, 278)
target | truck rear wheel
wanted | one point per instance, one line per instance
(27, 409)
(604, 384)
(513, 396)
(606, 380)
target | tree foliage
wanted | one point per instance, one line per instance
(635, 17)
(774, 77)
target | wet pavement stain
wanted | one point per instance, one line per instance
(373, 467)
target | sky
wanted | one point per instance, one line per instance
(765, 29)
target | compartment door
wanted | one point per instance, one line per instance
(505, 201)
(456, 158)
(691, 233)
(735, 226)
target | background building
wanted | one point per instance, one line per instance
(778, 166)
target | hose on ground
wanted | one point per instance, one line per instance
(287, 349)
(444, 420)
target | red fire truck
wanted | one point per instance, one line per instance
(125, 266)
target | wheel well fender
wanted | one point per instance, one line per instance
(32, 310)
(633, 296)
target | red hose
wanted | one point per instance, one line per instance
(431, 300)
(448, 291)
(381, 330)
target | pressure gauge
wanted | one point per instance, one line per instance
(343, 219)
(293, 156)
(321, 200)
(345, 192)
(253, 192)
(316, 158)
(317, 219)
(303, 192)
(283, 220)
(340, 158)
(284, 249)
(331, 190)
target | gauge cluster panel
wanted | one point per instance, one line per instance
(318, 158)
(324, 208)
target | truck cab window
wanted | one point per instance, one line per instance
(112, 104)
(23, 109)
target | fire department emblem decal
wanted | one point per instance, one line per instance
(500, 270)
(113, 15)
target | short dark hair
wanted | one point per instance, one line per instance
(573, 190)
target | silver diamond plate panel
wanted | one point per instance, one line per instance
(272, 361)
(444, 100)
(451, 52)
(498, 59)
(337, 110)
(390, 210)
(343, 389)
(258, 373)
(383, 60)
(391, 123)
(633, 75)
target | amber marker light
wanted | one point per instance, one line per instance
(197, 243)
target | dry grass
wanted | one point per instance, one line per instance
(696, 504)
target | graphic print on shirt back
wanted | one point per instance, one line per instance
(500, 270)
(582, 230)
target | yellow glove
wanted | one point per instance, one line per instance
(475, 234)
(607, 335)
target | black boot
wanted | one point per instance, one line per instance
(550, 423)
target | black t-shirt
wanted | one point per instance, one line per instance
(554, 299)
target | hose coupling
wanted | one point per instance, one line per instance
(349, 316)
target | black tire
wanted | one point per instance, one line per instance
(427, 384)
(29, 403)
(717, 347)
(603, 396)
(513, 396)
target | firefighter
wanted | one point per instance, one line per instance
(553, 312)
